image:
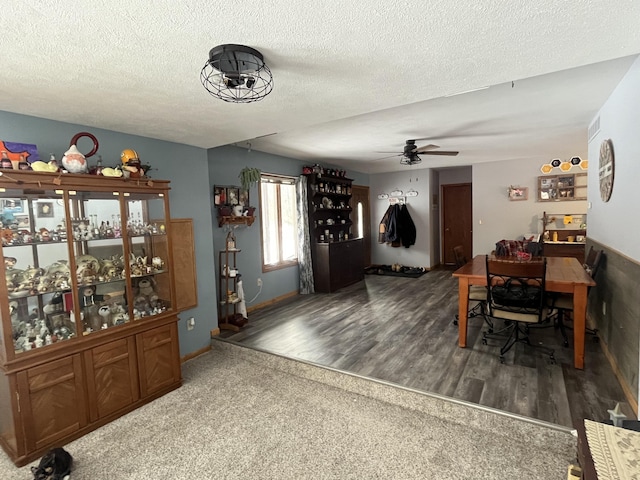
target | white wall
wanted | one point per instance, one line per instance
(614, 223)
(417, 255)
(495, 217)
(449, 176)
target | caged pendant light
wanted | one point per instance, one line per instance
(236, 74)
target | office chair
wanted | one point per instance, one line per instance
(562, 303)
(477, 293)
(517, 296)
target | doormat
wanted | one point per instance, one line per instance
(412, 272)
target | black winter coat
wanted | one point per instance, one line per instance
(406, 227)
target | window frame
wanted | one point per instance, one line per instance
(278, 180)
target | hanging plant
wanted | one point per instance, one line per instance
(249, 177)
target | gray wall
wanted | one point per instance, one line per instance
(187, 169)
(613, 226)
(225, 164)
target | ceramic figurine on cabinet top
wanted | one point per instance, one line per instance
(74, 161)
(131, 165)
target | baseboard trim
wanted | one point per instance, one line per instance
(631, 398)
(191, 355)
(272, 301)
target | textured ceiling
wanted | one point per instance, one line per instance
(352, 79)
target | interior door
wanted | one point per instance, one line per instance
(457, 226)
(362, 218)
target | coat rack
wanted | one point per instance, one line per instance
(398, 196)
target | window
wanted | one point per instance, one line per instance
(279, 224)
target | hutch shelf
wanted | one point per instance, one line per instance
(89, 323)
(564, 235)
(338, 257)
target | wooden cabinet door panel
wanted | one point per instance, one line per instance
(158, 358)
(52, 401)
(112, 377)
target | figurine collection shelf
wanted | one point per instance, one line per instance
(337, 256)
(89, 325)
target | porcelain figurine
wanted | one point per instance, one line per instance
(74, 161)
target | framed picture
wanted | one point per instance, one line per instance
(23, 222)
(12, 205)
(45, 209)
(233, 195)
(518, 193)
(244, 198)
(229, 195)
(219, 195)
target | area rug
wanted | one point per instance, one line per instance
(412, 272)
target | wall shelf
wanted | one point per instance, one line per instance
(231, 220)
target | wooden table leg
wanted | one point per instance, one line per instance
(579, 324)
(463, 309)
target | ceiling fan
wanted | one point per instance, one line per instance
(409, 155)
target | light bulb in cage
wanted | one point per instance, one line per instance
(236, 74)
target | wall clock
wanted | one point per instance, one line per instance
(606, 169)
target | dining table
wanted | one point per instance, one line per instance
(563, 275)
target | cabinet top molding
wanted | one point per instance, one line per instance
(22, 179)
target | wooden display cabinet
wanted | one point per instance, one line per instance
(338, 257)
(89, 324)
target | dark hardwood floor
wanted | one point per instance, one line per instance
(400, 330)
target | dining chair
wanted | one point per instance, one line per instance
(476, 293)
(561, 304)
(516, 296)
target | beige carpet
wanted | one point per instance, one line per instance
(243, 414)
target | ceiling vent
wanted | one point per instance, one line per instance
(594, 128)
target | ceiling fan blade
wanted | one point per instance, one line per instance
(388, 156)
(426, 148)
(441, 152)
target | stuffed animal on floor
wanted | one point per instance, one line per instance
(54, 465)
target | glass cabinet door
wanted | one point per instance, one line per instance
(36, 261)
(148, 254)
(98, 250)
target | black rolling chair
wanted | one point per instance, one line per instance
(561, 305)
(517, 296)
(477, 293)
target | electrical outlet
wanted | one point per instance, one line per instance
(259, 282)
(191, 323)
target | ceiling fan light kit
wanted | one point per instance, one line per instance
(409, 155)
(236, 74)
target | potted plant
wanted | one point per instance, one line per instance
(249, 177)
